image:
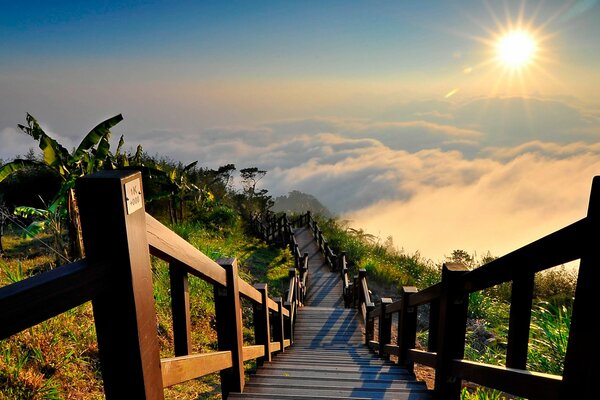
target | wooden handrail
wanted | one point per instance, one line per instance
(168, 246)
(116, 276)
(448, 307)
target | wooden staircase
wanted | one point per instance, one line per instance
(328, 359)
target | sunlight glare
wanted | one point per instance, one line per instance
(516, 49)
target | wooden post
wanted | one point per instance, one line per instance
(582, 370)
(308, 218)
(385, 327)
(434, 322)
(355, 300)
(407, 328)
(111, 204)
(278, 329)
(262, 330)
(229, 327)
(296, 254)
(451, 332)
(180, 306)
(520, 318)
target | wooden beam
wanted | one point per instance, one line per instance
(177, 370)
(229, 327)
(532, 385)
(262, 327)
(180, 306)
(113, 219)
(422, 357)
(451, 331)
(520, 318)
(34, 300)
(253, 352)
(167, 245)
(582, 370)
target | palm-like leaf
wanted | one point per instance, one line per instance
(95, 136)
(17, 165)
(55, 155)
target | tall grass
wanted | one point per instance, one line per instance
(383, 261)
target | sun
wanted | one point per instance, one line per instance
(516, 49)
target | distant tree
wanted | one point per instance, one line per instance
(298, 202)
(252, 201)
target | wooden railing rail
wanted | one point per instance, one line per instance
(117, 277)
(448, 302)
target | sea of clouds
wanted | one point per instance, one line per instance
(483, 174)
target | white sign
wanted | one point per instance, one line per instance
(133, 196)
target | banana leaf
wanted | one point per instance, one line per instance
(95, 135)
(17, 165)
(55, 155)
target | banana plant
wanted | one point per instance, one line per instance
(92, 154)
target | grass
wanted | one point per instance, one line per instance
(383, 262)
(58, 359)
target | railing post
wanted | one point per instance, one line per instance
(582, 370)
(451, 331)
(278, 328)
(385, 327)
(520, 318)
(262, 330)
(308, 218)
(111, 204)
(296, 254)
(229, 327)
(355, 292)
(434, 322)
(180, 306)
(407, 328)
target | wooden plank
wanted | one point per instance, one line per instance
(34, 300)
(287, 343)
(391, 349)
(180, 306)
(248, 291)
(252, 352)
(229, 327)
(385, 325)
(125, 317)
(582, 370)
(274, 346)
(272, 305)
(451, 331)
(407, 327)
(176, 370)
(278, 324)
(374, 345)
(426, 295)
(520, 318)
(560, 247)
(375, 313)
(396, 306)
(517, 382)
(422, 357)
(167, 245)
(262, 327)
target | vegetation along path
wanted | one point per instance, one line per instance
(328, 359)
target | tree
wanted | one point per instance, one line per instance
(91, 155)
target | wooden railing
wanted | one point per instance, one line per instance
(448, 302)
(116, 276)
(279, 230)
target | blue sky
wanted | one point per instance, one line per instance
(381, 109)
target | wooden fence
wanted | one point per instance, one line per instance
(448, 302)
(116, 276)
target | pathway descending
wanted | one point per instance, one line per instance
(328, 359)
